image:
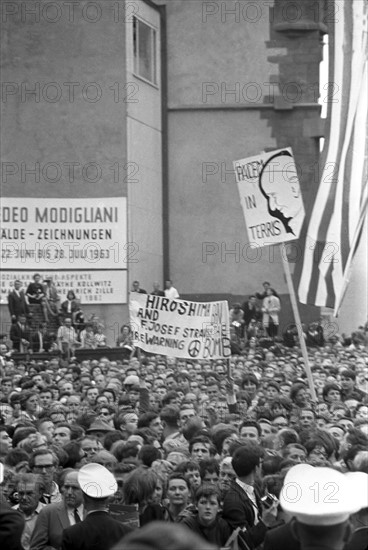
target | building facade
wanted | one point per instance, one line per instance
(136, 111)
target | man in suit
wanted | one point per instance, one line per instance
(98, 530)
(54, 518)
(20, 334)
(17, 301)
(242, 506)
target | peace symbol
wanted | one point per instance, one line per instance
(194, 348)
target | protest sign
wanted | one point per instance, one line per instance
(178, 328)
(270, 196)
(274, 212)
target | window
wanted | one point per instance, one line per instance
(144, 48)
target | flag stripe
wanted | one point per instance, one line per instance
(331, 233)
(321, 255)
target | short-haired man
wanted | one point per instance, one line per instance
(20, 334)
(46, 398)
(207, 522)
(170, 422)
(242, 506)
(30, 488)
(151, 420)
(54, 518)
(307, 418)
(250, 429)
(45, 462)
(201, 447)
(98, 529)
(295, 452)
(62, 434)
(17, 301)
(90, 445)
(348, 387)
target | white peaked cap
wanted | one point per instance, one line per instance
(323, 496)
(96, 481)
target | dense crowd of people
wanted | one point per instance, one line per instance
(148, 442)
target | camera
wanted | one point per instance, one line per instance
(268, 500)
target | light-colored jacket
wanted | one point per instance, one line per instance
(270, 308)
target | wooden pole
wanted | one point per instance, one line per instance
(229, 369)
(298, 322)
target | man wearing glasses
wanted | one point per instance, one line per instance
(45, 462)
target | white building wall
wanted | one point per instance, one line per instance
(144, 133)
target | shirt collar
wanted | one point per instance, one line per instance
(36, 512)
(249, 489)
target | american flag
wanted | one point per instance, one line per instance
(333, 229)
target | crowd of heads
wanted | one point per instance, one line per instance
(175, 433)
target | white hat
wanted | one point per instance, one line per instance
(131, 380)
(323, 496)
(96, 481)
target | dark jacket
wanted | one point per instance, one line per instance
(17, 334)
(11, 528)
(216, 533)
(281, 538)
(238, 511)
(250, 314)
(17, 304)
(99, 531)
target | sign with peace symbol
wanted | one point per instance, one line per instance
(194, 348)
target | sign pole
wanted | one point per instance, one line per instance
(229, 369)
(298, 322)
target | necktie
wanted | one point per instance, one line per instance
(77, 516)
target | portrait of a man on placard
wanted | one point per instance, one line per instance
(279, 184)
